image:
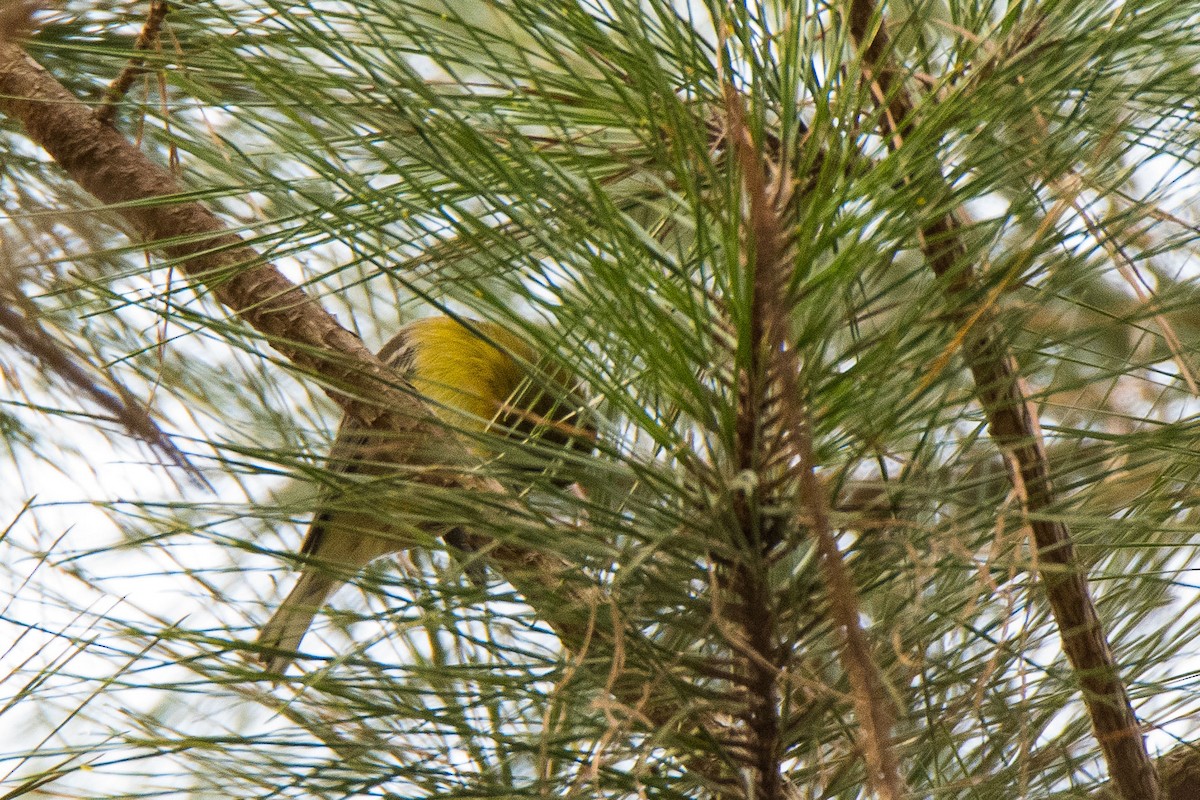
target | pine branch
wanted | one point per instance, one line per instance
(775, 428)
(755, 453)
(1013, 425)
(104, 163)
(149, 199)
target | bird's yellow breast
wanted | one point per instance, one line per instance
(474, 370)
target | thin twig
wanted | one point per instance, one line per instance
(874, 712)
(137, 64)
(24, 331)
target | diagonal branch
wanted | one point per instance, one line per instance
(103, 162)
(1013, 425)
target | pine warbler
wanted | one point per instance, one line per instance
(475, 378)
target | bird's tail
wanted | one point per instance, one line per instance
(280, 638)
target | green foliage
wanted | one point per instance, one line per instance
(565, 169)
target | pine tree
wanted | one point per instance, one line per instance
(884, 311)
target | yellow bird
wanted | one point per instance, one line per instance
(474, 377)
